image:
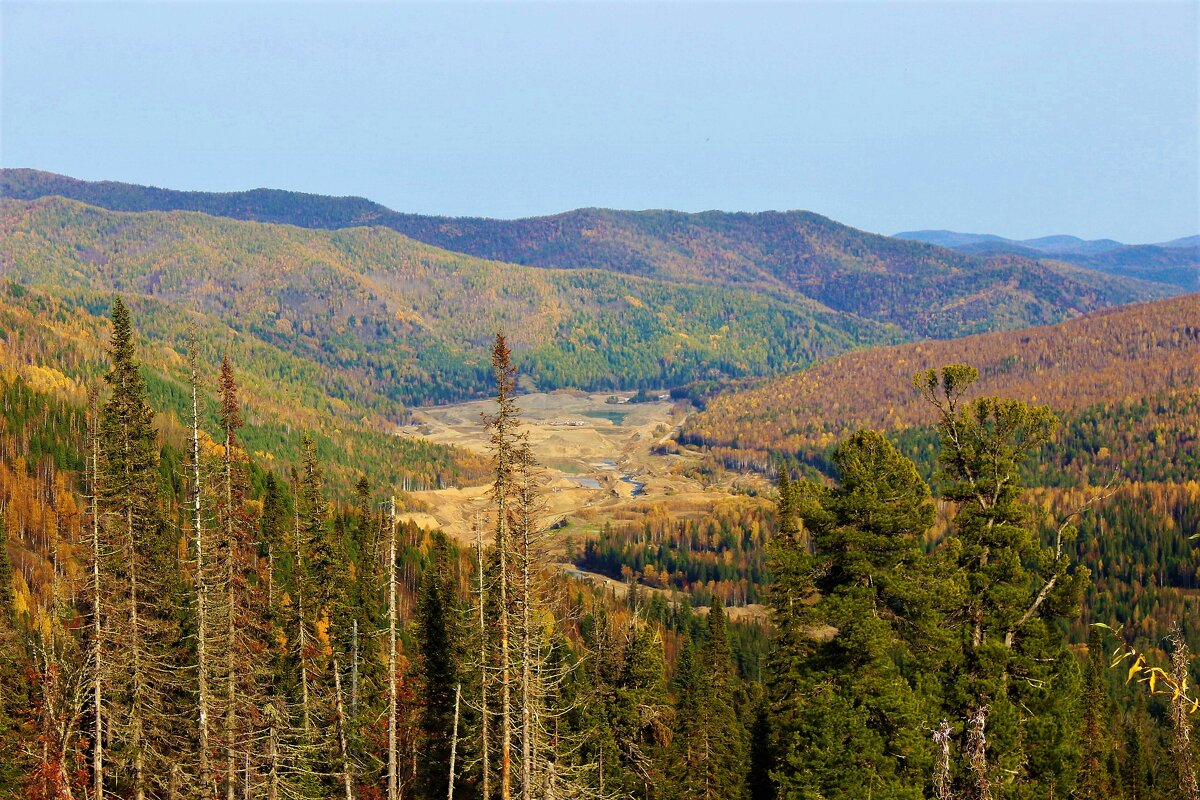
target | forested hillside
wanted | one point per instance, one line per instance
(1125, 382)
(393, 322)
(199, 621)
(52, 351)
(797, 256)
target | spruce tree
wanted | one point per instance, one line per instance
(640, 716)
(1095, 726)
(722, 737)
(439, 638)
(687, 751)
(144, 567)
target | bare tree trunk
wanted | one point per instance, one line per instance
(354, 668)
(206, 774)
(135, 651)
(231, 705)
(942, 781)
(230, 632)
(341, 718)
(505, 662)
(454, 742)
(483, 702)
(273, 747)
(1181, 724)
(393, 787)
(977, 753)
(303, 638)
(526, 658)
(97, 609)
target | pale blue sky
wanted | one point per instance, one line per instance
(1022, 119)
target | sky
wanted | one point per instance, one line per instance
(1020, 119)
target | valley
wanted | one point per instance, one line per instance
(718, 405)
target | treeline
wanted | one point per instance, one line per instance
(721, 554)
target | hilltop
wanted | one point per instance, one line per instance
(796, 257)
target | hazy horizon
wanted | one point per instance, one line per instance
(1021, 120)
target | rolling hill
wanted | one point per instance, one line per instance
(386, 321)
(796, 257)
(1126, 383)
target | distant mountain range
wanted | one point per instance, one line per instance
(1176, 262)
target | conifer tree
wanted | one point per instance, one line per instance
(246, 602)
(1095, 729)
(439, 637)
(1013, 586)
(721, 738)
(854, 727)
(502, 427)
(143, 567)
(640, 717)
(98, 545)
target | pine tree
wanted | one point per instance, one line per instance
(1010, 660)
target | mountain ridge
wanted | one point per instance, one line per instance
(398, 322)
(797, 257)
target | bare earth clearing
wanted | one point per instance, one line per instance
(597, 462)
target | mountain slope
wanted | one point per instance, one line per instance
(392, 321)
(1127, 383)
(795, 256)
(56, 347)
